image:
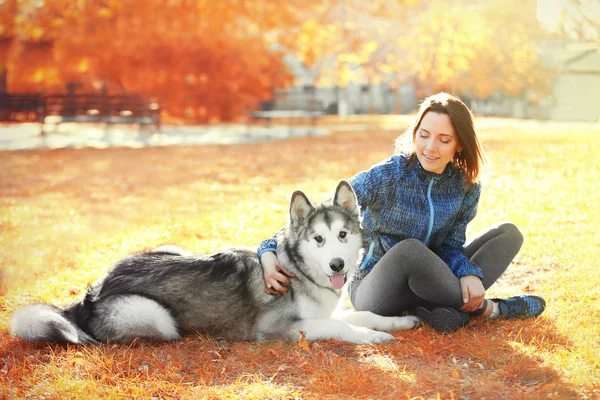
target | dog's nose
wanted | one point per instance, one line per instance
(336, 265)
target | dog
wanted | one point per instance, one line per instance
(165, 293)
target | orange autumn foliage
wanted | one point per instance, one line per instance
(203, 60)
(208, 61)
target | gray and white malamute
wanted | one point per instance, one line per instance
(165, 293)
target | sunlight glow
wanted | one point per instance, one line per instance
(386, 363)
(549, 12)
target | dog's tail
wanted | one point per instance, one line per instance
(46, 323)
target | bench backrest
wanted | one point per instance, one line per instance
(16, 102)
(99, 104)
(289, 102)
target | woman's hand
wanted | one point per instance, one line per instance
(276, 277)
(473, 293)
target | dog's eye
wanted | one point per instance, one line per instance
(319, 239)
(343, 234)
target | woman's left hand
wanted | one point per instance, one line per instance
(473, 293)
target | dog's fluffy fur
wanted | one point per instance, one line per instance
(166, 293)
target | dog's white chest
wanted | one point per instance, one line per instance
(319, 305)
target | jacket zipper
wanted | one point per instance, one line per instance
(367, 257)
(431, 212)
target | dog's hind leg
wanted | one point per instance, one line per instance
(123, 318)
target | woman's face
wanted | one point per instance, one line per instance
(435, 142)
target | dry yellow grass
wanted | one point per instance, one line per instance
(67, 215)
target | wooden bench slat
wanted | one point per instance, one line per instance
(82, 107)
(20, 106)
(99, 108)
(289, 106)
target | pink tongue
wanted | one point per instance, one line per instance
(337, 281)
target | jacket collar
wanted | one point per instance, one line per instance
(422, 173)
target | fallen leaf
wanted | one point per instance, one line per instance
(457, 374)
(303, 342)
(528, 289)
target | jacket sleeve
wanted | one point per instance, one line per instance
(366, 184)
(269, 244)
(452, 249)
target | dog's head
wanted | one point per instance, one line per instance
(328, 236)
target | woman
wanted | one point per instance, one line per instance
(415, 207)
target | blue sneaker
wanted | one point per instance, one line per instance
(443, 319)
(521, 307)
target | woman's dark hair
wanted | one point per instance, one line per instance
(471, 157)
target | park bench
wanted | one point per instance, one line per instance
(290, 107)
(21, 107)
(99, 108)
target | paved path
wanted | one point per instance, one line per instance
(27, 137)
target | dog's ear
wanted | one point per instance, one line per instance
(345, 197)
(300, 206)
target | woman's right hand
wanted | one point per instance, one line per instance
(276, 277)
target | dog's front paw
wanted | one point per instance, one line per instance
(372, 337)
(404, 323)
(391, 324)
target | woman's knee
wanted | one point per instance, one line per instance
(512, 231)
(412, 256)
(408, 246)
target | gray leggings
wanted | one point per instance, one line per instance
(410, 275)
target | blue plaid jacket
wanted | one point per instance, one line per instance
(399, 202)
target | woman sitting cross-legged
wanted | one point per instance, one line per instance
(415, 207)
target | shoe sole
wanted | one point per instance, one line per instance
(441, 319)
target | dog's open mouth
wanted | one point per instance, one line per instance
(338, 281)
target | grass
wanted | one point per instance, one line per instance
(67, 215)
